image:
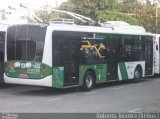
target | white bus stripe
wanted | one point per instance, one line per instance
(119, 74)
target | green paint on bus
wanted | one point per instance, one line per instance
(58, 77)
(100, 71)
(123, 71)
(27, 69)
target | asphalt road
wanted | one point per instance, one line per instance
(112, 97)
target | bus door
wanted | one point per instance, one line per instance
(148, 54)
(112, 59)
(71, 61)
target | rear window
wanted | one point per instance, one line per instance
(25, 42)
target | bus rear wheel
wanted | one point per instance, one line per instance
(137, 75)
(88, 82)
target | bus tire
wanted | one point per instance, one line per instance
(137, 75)
(88, 81)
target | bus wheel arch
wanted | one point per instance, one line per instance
(138, 73)
(89, 80)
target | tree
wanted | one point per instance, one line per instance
(135, 12)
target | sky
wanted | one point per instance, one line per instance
(16, 14)
(31, 3)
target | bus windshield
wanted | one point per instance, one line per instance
(25, 42)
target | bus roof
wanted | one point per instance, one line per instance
(135, 30)
(114, 29)
(156, 35)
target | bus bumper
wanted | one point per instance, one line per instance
(47, 81)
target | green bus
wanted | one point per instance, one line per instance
(63, 56)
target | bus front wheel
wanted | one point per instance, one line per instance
(88, 82)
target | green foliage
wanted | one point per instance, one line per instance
(44, 15)
(132, 11)
(116, 16)
(104, 10)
